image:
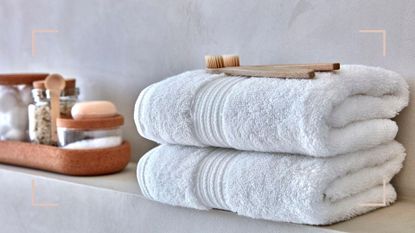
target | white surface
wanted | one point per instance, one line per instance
(113, 203)
(116, 48)
(106, 204)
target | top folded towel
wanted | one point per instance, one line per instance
(335, 113)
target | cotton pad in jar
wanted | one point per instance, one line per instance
(14, 100)
(91, 133)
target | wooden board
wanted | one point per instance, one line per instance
(18, 79)
(69, 162)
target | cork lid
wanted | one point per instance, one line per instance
(92, 123)
(21, 79)
(70, 84)
(39, 85)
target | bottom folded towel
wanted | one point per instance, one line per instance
(279, 187)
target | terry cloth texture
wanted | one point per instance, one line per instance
(280, 187)
(335, 113)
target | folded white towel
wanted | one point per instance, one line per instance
(291, 188)
(333, 114)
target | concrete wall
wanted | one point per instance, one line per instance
(116, 48)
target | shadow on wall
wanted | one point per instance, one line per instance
(404, 181)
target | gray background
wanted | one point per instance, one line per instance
(116, 48)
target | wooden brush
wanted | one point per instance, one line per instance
(214, 61)
(230, 60)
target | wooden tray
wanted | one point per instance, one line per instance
(69, 162)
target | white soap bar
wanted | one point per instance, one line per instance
(93, 109)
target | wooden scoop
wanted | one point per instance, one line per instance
(55, 84)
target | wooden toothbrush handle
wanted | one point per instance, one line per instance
(317, 67)
(271, 72)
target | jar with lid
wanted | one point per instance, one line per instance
(68, 98)
(40, 118)
(90, 133)
(15, 97)
(40, 112)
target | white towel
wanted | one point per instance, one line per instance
(335, 113)
(290, 188)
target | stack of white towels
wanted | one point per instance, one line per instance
(304, 151)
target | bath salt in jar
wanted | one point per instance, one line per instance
(40, 118)
(15, 97)
(90, 133)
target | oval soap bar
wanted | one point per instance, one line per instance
(93, 109)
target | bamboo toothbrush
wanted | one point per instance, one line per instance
(229, 64)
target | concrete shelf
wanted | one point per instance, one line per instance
(37, 201)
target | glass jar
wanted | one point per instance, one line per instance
(15, 97)
(40, 130)
(90, 133)
(40, 119)
(68, 99)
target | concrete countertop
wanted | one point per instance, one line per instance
(114, 203)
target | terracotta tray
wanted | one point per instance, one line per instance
(68, 162)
